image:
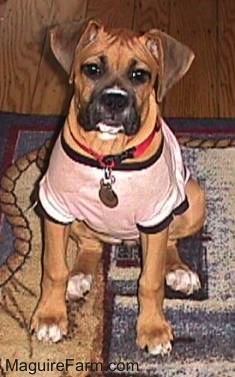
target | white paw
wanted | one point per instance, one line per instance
(49, 333)
(183, 281)
(161, 349)
(78, 286)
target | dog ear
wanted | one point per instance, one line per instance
(173, 57)
(65, 37)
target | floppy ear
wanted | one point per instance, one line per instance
(174, 59)
(65, 37)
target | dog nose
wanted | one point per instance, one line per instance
(114, 101)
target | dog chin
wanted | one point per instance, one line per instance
(107, 132)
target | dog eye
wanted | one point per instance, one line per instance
(139, 76)
(92, 70)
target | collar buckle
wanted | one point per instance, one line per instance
(111, 161)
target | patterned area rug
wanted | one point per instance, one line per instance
(102, 329)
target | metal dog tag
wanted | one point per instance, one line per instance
(107, 196)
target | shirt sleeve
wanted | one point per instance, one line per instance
(156, 224)
(50, 203)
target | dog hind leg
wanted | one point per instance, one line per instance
(178, 275)
(88, 257)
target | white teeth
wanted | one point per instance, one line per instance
(108, 132)
(105, 136)
(112, 130)
(116, 90)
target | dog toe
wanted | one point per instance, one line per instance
(55, 333)
(78, 286)
(51, 333)
(160, 349)
(183, 281)
(42, 333)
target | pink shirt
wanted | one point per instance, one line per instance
(150, 193)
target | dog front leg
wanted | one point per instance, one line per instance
(49, 321)
(153, 331)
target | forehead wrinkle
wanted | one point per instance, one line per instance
(120, 50)
(142, 54)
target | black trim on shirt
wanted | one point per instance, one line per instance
(123, 166)
(39, 209)
(166, 222)
(156, 228)
(182, 207)
(185, 172)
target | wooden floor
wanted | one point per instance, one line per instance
(32, 82)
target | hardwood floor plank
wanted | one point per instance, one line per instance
(64, 11)
(194, 23)
(3, 4)
(22, 31)
(151, 14)
(52, 91)
(226, 58)
(116, 13)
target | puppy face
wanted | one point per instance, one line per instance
(114, 71)
(114, 77)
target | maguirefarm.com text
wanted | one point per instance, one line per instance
(67, 365)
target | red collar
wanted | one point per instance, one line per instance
(112, 161)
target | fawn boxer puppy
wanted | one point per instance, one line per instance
(116, 174)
